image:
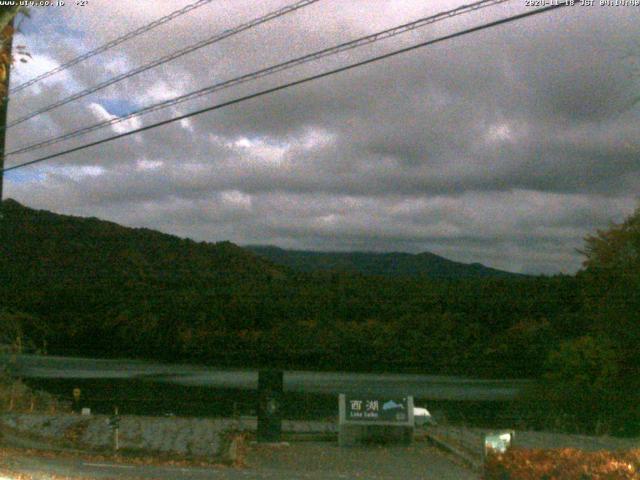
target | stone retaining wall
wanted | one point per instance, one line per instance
(181, 436)
(198, 437)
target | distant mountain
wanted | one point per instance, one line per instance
(370, 263)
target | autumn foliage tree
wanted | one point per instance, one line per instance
(612, 300)
(8, 55)
(612, 285)
(591, 382)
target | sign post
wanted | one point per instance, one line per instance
(370, 418)
(498, 442)
(114, 423)
(270, 390)
(76, 393)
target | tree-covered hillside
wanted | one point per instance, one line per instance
(103, 289)
(424, 264)
(85, 286)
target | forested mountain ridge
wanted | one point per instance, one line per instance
(79, 242)
(103, 288)
(100, 288)
(86, 286)
(372, 263)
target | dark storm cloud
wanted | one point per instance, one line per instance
(504, 147)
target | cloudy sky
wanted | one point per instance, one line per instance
(504, 147)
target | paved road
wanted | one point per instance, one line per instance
(304, 461)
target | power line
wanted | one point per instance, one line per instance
(112, 43)
(294, 83)
(167, 58)
(365, 40)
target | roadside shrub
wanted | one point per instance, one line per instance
(562, 464)
(583, 390)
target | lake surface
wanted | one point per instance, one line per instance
(143, 387)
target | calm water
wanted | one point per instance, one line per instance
(150, 388)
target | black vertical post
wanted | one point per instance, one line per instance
(270, 389)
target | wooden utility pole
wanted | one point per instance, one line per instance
(4, 109)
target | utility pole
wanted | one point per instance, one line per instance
(4, 109)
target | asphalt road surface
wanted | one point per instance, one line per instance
(304, 461)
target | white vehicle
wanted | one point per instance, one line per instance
(422, 417)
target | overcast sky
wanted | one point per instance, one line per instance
(504, 147)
